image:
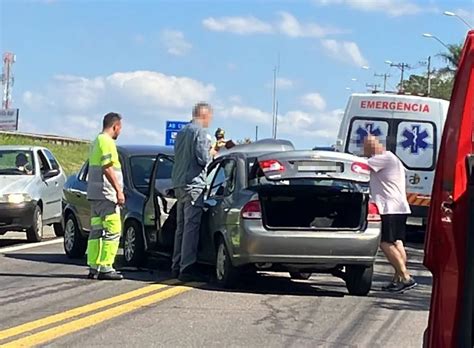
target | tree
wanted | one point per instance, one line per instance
(441, 85)
(442, 80)
(452, 58)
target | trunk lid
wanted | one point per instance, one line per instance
(311, 165)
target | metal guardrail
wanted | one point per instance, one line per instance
(53, 139)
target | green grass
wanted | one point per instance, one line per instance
(71, 157)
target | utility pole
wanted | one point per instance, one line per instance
(274, 102)
(256, 133)
(402, 67)
(385, 77)
(7, 79)
(276, 70)
(276, 119)
(373, 87)
(428, 75)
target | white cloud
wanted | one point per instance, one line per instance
(290, 26)
(321, 127)
(74, 105)
(175, 42)
(238, 25)
(286, 24)
(157, 89)
(346, 51)
(281, 83)
(391, 7)
(84, 122)
(314, 100)
(77, 93)
(246, 114)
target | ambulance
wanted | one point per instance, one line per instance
(410, 127)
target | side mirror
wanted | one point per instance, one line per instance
(51, 173)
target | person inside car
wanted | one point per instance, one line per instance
(22, 164)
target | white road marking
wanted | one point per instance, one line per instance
(30, 246)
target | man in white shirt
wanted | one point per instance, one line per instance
(387, 188)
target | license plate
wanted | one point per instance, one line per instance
(319, 167)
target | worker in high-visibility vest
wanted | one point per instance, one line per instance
(105, 193)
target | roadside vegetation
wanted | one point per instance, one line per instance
(442, 80)
(70, 156)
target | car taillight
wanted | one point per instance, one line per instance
(373, 213)
(271, 166)
(360, 168)
(252, 210)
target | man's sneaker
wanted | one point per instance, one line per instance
(388, 287)
(93, 273)
(110, 276)
(404, 285)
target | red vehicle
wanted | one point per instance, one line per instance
(449, 245)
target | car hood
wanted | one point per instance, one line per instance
(15, 183)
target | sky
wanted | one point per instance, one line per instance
(152, 61)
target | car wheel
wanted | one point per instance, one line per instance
(227, 275)
(133, 245)
(35, 232)
(75, 244)
(359, 279)
(58, 229)
(300, 275)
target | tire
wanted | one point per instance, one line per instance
(75, 244)
(227, 275)
(359, 279)
(133, 245)
(59, 229)
(34, 234)
(300, 275)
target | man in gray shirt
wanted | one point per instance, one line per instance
(192, 155)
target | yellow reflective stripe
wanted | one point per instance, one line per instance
(96, 221)
(112, 223)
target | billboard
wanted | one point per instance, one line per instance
(9, 119)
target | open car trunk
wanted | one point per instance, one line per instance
(312, 208)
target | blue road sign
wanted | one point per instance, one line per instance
(172, 129)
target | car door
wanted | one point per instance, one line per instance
(48, 187)
(57, 184)
(159, 216)
(448, 250)
(79, 193)
(218, 201)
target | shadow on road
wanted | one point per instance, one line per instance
(265, 284)
(10, 242)
(46, 258)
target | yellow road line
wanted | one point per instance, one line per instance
(36, 324)
(94, 319)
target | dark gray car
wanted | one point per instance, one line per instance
(137, 166)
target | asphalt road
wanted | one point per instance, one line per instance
(45, 300)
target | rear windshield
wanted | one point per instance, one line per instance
(414, 142)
